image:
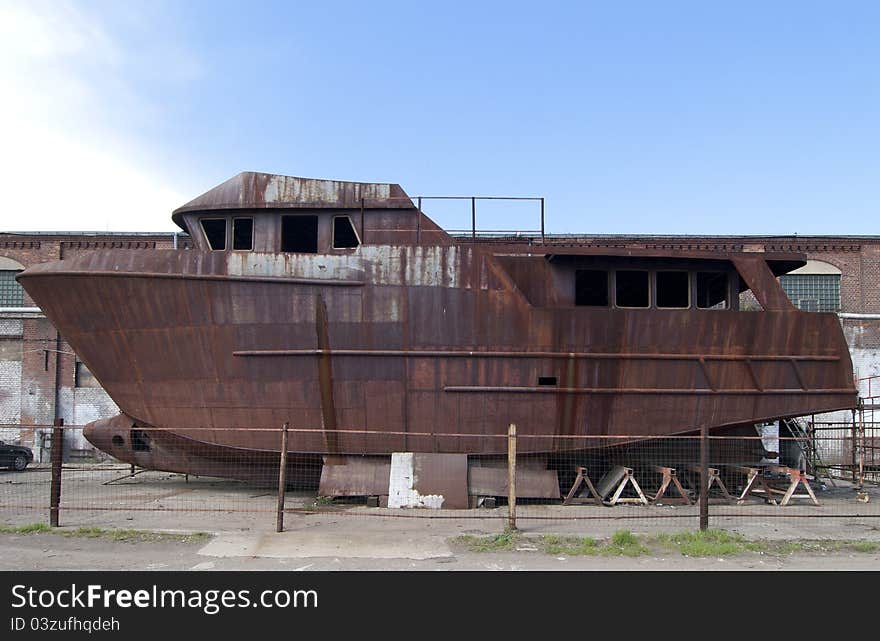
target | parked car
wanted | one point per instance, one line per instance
(15, 457)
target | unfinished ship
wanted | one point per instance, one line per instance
(342, 309)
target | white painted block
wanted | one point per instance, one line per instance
(401, 482)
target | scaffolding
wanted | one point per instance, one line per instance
(856, 452)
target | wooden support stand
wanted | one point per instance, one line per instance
(670, 478)
(581, 478)
(759, 483)
(756, 485)
(795, 478)
(612, 484)
(714, 479)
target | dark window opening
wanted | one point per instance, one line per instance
(117, 440)
(215, 232)
(546, 380)
(82, 377)
(140, 441)
(591, 287)
(711, 290)
(344, 235)
(673, 290)
(243, 233)
(299, 234)
(632, 289)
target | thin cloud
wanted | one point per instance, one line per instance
(64, 164)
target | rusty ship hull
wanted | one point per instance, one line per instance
(414, 342)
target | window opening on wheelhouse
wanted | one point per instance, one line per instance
(344, 235)
(215, 232)
(673, 290)
(631, 288)
(591, 287)
(243, 234)
(299, 234)
(711, 290)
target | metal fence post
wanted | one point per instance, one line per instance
(57, 458)
(282, 481)
(853, 448)
(511, 477)
(704, 477)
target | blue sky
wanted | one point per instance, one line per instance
(637, 117)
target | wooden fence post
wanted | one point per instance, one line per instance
(511, 477)
(57, 459)
(282, 481)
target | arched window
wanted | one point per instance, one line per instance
(11, 293)
(815, 287)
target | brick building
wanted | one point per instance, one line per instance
(41, 379)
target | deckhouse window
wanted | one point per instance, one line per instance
(631, 289)
(711, 290)
(215, 232)
(673, 290)
(591, 287)
(344, 234)
(243, 233)
(299, 234)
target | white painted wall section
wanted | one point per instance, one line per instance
(402, 481)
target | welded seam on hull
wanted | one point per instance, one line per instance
(645, 390)
(221, 277)
(520, 354)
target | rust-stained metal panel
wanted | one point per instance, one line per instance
(761, 281)
(355, 476)
(443, 475)
(255, 190)
(530, 483)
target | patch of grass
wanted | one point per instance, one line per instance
(84, 532)
(624, 543)
(569, 545)
(31, 528)
(705, 543)
(821, 546)
(505, 541)
(708, 543)
(133, 536)
(866, 546)
(112, 534)
(621, 544)
(324, 500)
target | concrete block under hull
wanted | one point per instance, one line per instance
(415, 479)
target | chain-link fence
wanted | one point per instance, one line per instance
(569, 482)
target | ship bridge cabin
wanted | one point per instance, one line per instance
(267, 213)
